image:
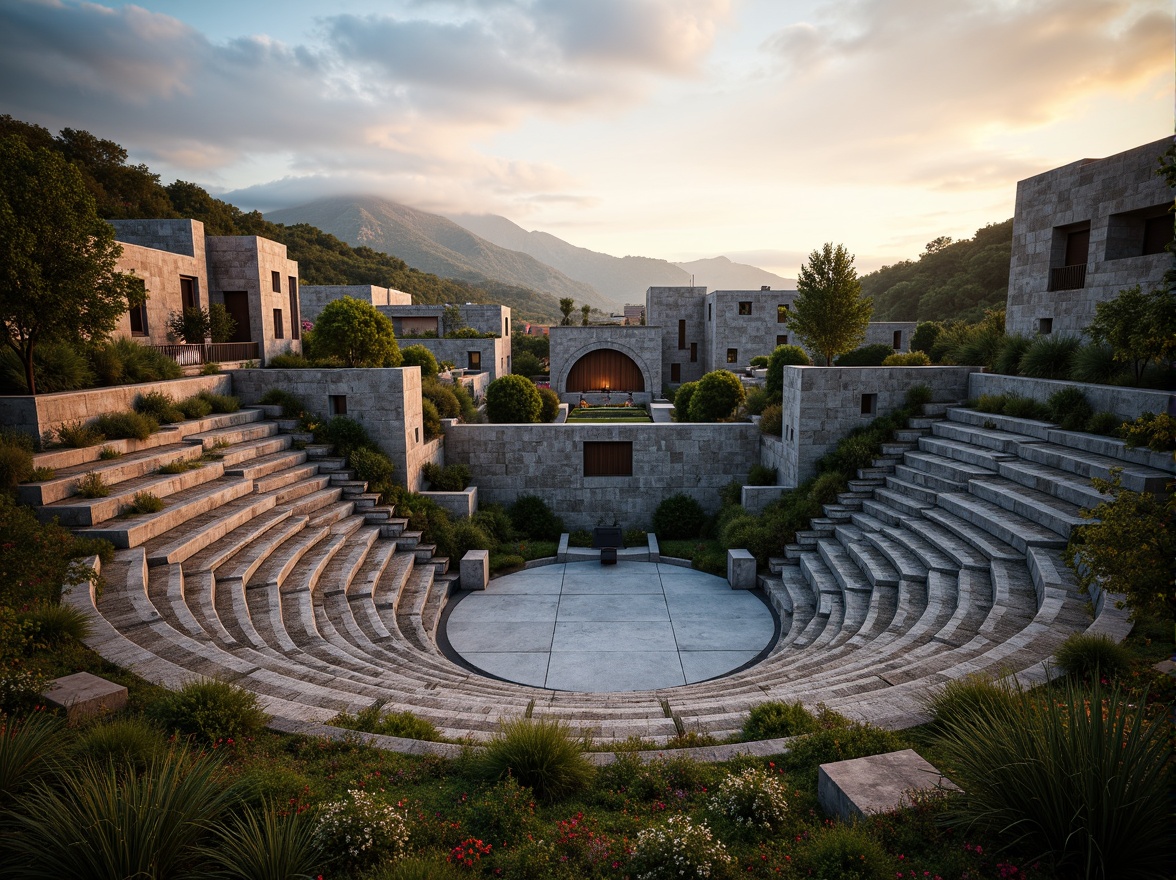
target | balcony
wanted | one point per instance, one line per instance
(210, 352)
(1068, 277)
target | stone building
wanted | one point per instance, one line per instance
(182, 268)
(1082, 233)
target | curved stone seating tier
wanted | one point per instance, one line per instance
(274, 569)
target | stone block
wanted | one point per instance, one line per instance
(877, 784)
(82, 695)
(475, 570)
(740, 570)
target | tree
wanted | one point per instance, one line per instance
(566, 305)
(830, 315)
(682, 401)
(526, 364)
(57, 277)
(585, 310)
(784, 355)
(718, 395)
(513, 399)
(356, 333)
(419, 356)
(549, 405)
(1140, 327)
(538, 345)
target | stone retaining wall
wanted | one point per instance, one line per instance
(1127, 403)
(507, 461)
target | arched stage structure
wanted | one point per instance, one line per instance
(605, 370)
(597, 361)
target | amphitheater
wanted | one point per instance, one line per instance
(272, 568)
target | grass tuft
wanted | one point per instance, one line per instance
(539, 753)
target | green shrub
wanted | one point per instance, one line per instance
(866, 356)
(1097, 364)
(288, 360)
(678, 848)
(418, 868)
(373, 719)
(539, 753)
(419, 356)
(757, 399)
(775, 719)
(469, 410)
(761, 475)
(772, 420)
(990, 403)
(580, 538)
(75, 435)
(123, 361)
(682, 399)
(635, 537)
(1105, 423)
(144, 502)
(759, 361)
(753, 798)
(907, 359)
(51, 623)
(468, 536)
(1079, 779)
(430, 419)
(180, 466)
(108, 453)
(451, 478)
(158, 406)
(58, 367)
(783, 356)
(278, 844)
(513, 399)
(502, 561)
(42, 474)
(292, 405)
(1087, 656)
(1008, 357)
(917, 396)
(1069, 409)
(853, 453)
(532, 518)
(91, 485)
(194, 407)
(30, 749)
(1156, 432)
(679, 517)
(16, 465)
(345, 434)
(846, 852)
(837, 742)
(716, 397)
(374, 468)
(1049, 357)
(220, 403)
(926, 332)
(210, 710)
(550, 405)
(1024, 408)
(210, 369)
(495, 521)
(442, 396)
(973, 695)
(125, 425)
(124, 742)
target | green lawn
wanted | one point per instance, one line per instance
(609, 414)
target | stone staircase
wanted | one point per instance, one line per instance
(273, 568)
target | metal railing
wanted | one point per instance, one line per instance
(209, 352)
(1068, 277)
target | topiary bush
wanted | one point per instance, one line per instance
(783, 356)
(682, 399)
(549, 407)
(866, 356)
(513, 399)
(679, 517)
(419, 356)
(210, 710)
(907, 359)
(716, 398)
(539, 753)
(532, 518)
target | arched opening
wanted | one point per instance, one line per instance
(605, 370)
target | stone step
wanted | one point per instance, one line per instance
(822, 582)
(882, 511)
(184, 506)
(243, 565)
(1110, 447)
(220, 438)
(206, 529)
(926, 554)
(914, 476)
(965, 452)
(262, 466)
(943, 542)
(296, 473)
(77, 511)
(114, 471)
(945, 468)
(1137, 478)
(1010, 424)
(915, 492)
(1053, 481)
(988, 438)
(838, 513)
(879, 570)
(232, 542)
(315, 501)
(974, 534)
(865, 486)
(904, 561)
(348, 563)
(1008, 526)
(1042, 509)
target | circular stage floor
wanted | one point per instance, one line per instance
(581, 626)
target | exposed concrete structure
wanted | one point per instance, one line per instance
(574, 357)
(1082, 233)
(878, 784)
(678, 313)
(254, 270)
(83, 695)
(315, 296)
(741, 324)
(475, 570)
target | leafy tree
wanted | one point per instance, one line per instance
(357, 334)
(1140, 327)
(784, 355)
(925, 335)
(221, 325)
(513, 399)
(718, 395)
(526, 364)
(419, 356)
(57, 277)
(566, 306)
(451, 320)
(539, 345)
(830, 315)
(585, 310)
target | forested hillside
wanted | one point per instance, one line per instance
(125, 191)
(950, 279)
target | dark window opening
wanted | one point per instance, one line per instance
(474, 360)
(279, 330)
(1157, 234)
(896, 343)
(612, 458)
(1070, 253)
(276, 279)
(295, 321)
(710, 311)
(188, 292)
(782, 314)
(693, 352)
(732, 355)
(782, 339)
(745, 308)
(138, 315)
(675, 372)
(237, 305)
(1044, 326)
(681, 335)
(337, 404)
(869, 404)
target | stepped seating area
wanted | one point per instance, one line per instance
(272, 568)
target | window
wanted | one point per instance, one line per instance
(732, 355)
(506, 327)
(782, 339)
(693, 352)
(337, 404)
(710, 311)
(1044, 326)
(681, 335)
(1068, 255)
(782, 313)
(869, 404)
(610, 458)
(745, 308)
(417, 434)
(1157, 234)
(276, 279)
(295, 322)
(187, 292)
(896, 343)
(474, 360)
(138, 316)
(279, 330)
(675, 372)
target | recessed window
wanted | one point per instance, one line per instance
(732, 355)
(610, 458)
(276, 280)
(417, 434)
(295, 318)
(782, 313)
(138, 315)
(896, 343)
(187, 292)
(681, 335)
(279, 330)
(675, 372)
(782, 339)
(1157, 234)
(710, 311)
(745, 308)
(474, 360)
(869, 404)
(1045, 326)
(337, 404)
(693, 352)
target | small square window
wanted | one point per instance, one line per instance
(869, 404)
(745, 308)
(1045, 326)
(337, 404)
(474, 360)
(732, 355)
(276, 280)
(782, 339)
(279, 329)
(782, 313)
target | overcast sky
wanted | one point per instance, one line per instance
(679, 129)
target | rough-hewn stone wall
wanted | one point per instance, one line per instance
(641, 343)
(245, 262)
(1127, 403)
(664, 308)
(748, 335)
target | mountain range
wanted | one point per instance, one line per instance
(486, 246)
